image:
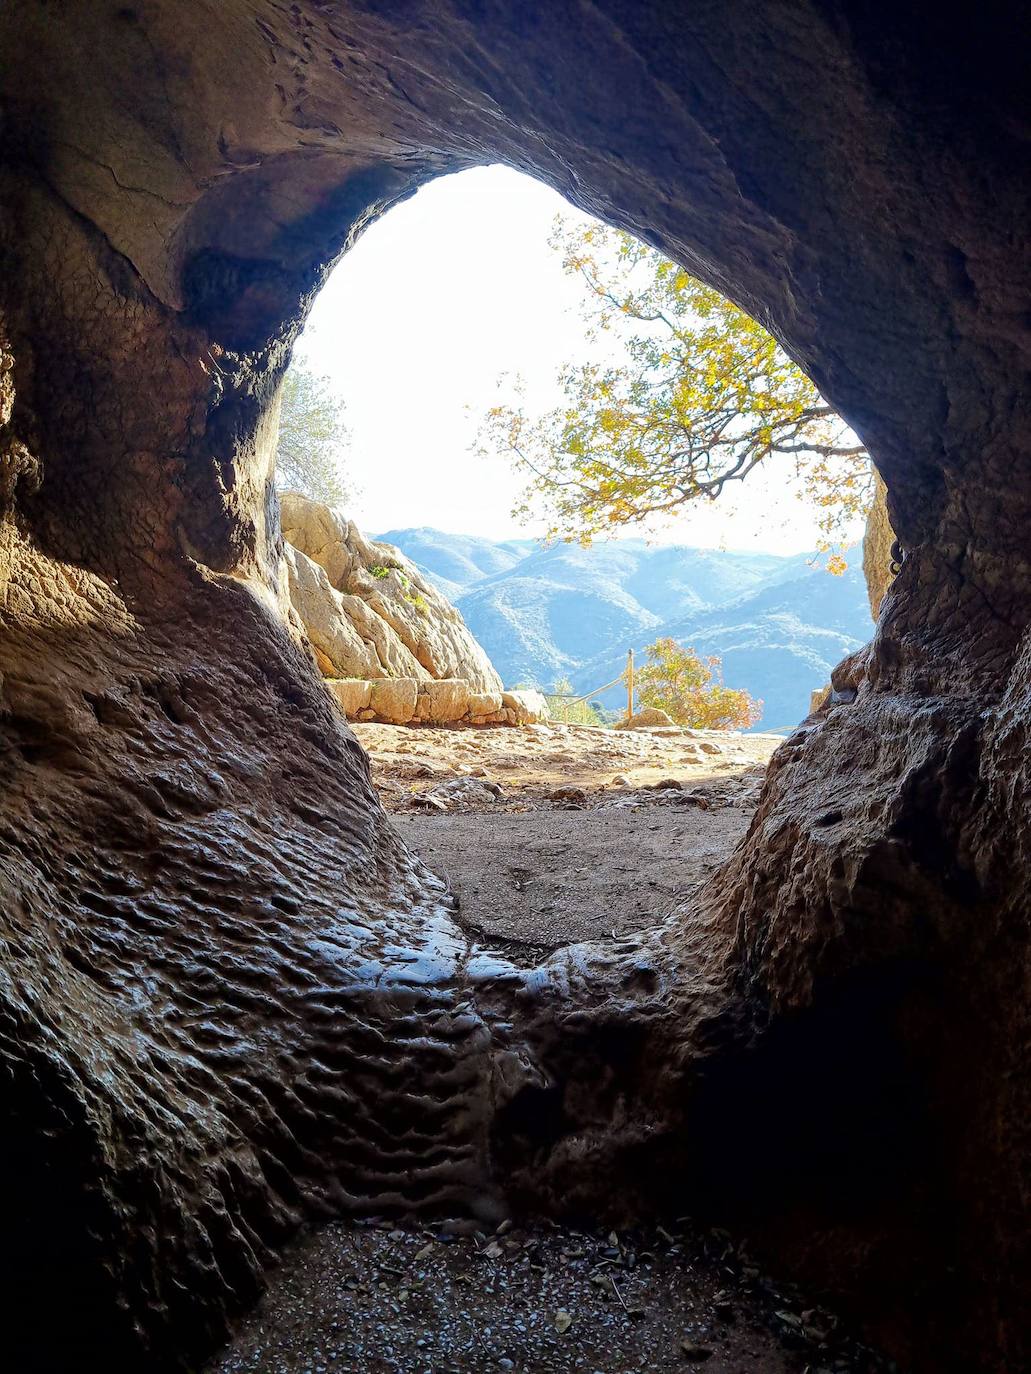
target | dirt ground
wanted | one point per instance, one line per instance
(553, 834)
(530, 883)
(548, 835)
(377, 1299)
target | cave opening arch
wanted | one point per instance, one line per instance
(861, 194)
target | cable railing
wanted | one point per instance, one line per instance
(627, 676)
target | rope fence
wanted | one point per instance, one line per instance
(627, 676)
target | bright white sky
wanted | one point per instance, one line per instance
(446, 294)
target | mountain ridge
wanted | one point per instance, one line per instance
(543, 612)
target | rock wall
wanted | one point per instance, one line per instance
(230, 1000)
(878, 540)
(365, 608)
(446, 701)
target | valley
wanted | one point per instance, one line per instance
(542, 613)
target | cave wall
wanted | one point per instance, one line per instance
(880, 548)
(227, 1007)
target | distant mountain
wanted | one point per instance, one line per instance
(458, 560)
(778, 624)
(779, 642)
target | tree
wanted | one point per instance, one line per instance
(690, 689)
(699, 396)
(572, 712)
(312, 436)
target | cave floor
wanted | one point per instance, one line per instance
(547, 835)
(374, 1297)
(555, 834)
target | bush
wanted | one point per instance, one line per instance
(690, 689)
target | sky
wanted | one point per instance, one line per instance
(449, 294)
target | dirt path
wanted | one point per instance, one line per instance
(556, 834)
(546, 836)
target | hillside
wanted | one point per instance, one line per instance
(779, 643)
(453, 562)
(778, 624)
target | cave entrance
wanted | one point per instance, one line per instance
(471, 332)
(231, 999)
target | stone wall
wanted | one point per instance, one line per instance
(445, 701)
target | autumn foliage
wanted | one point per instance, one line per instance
(693, 394)
(690, 689)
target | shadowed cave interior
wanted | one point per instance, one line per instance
(231, 1001)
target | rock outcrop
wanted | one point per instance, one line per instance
(443, 701)
(366, 609)
(878, 541)
(231, 1000)
(646, 718)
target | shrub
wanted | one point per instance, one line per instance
(690, 689)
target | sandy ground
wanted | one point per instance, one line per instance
(594, 833)
(547, 835)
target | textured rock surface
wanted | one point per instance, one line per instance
(441, 701)
(394, 700)
(645, 719)
(371, 597)
(878, 539)
(332, 626)
(444, 700)
(526, 704)
(230, 999)
(352, 694)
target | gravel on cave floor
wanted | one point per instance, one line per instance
(371, 1297)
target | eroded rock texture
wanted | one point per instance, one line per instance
(367, 610)
(879, 549)
(230, 999)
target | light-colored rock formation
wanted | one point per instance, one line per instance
(393, 700)
(330, 625)
(647, 718)
(484, 704)
(398, 625)
(352, 695)
(526, 704)
(878, 539)
(444, 701)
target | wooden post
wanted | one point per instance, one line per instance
(629, 684)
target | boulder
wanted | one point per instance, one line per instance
(442, 702)
(647, 718)
(525, 707)
(393, 699)
(484, 704)
(456, 793)
(410, 629)
(352, 694)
